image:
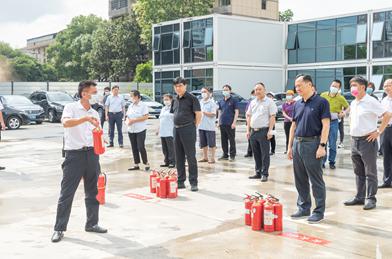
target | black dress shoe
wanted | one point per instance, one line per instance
(134, 168)
(332, 166)
(272, 153)
(370, 204)
(300, 214)
(264, 178)
(354, 202)
(248, 155)
(231, 159)
(181, 186)
(96, 229)
(223, 158)
(57, 236)
(384, 185)
(121, 146)
(164, 165)
(2, 168)
(171, 166)
(111, 145)
(256, 176)
(194, 188)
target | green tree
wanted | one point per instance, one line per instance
(286, 16)
(71, 52)
(149, 12)
(144, 72)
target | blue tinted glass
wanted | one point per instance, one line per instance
(326, 24)
(347, 21)
(378, 31)
(325, 38)
(307, 26)
(291, 40)
(325, 54)
(198, 38)
(378, 17)
(307, 39)
(306, 55)
(361, 33)
(347, 35)
(292, 28)
(388, 30)
(208, 38)
(292, 56)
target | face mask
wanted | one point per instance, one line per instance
(369, 90)
(107, 93)
(167, 102)
(226, 93)
(289, 97)
(204, 95)
(354, 91)
(333, 90)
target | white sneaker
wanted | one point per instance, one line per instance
(341, 145)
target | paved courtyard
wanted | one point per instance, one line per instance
(206, 224)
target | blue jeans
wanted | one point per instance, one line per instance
(332, 139)
(308, 167)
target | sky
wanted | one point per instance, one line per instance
(24, 19)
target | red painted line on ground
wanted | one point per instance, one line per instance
(305, 238)
(138, 196)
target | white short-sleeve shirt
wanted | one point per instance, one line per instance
(136, 111)
(1, 106)
(364, 116)
(387, 103)
(82, 135)
(260, 112)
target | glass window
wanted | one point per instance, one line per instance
(377, 80)
(349, 71)
(292, 28)
(167, 86)
(378, 29)
(157, 41)
(167, 57)
(325, 54)
(176, 56)
(388, 16)
(378, 49)
(208, 37)
(347, 21)
(176, 27)
(187, 39)
(378, 70)
(361, 33)
(325, 38)
(307, 39)
(349, 52)
(157, 30)
(224, 2)
(388, 69)
(388, 49)
(291, 40)
(176, 40)
(326, 24)
(361, 51)
(306, 55)
(209, 72)
(209, 23)
(157, 75)
(210, 53)
(198, 38)
(307, 26)
(361, 71)
(157, 58)
(362, 19)
(292, 56)
(388, 30)
(167, 28)
(187, 25)
(187, 56)
(167, 41)
(199, 54)
(378, 17)
(347, 35)
(264, 4)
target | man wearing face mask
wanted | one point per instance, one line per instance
(115, 112)
(106, 93)
(79, 120)
(338, 105)
(227, 119)
(364, 114)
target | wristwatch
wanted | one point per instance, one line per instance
(323, 144)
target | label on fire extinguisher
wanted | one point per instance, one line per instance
(154, 182)
(247, 211)
(268, 217)
(173, 186)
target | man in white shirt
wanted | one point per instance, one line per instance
(364, 116)
(79, 119)
(387, 139)
(2, 125)
(260, 122)
(115, 111)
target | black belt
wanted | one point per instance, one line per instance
(258, 129)
(307, 139)
(183, 125)
(83, 149)
(114, 112)
(360, 138)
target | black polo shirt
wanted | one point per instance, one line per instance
(184, 109)
(308, 116)
(227, 108)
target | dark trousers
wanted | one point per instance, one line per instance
(184, 145)
(138, 147)
(387, 146)
(308, 167)
(102, 119)
(364, 157)
(261, 148)
(116, 119)
(78, 165)
(287, 126)
(228, 136)
(168, 150)
(249, 150)
(341, 130)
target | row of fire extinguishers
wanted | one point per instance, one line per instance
(263, 212)
(164, 183)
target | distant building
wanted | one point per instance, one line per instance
(264, 9)
(119, 8)
(37, 47)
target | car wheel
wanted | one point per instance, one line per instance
(14, 122)
(52, 116)
(38, 122)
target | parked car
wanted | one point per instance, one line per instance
(154, 108)
(52, 102)
(19, 110)
(217, 95)
(380, 94)
(96, 102)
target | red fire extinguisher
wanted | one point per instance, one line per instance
(153, 181)
(278, 213)
(163, 187)
(269, 217)
(101, 188)
(248, 208)
(172, 188)
(257, 214)
(99, 147)
(158, 188)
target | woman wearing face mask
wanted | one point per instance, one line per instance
(136, 120)
(165, 131)
(370, 90)
(287, 110)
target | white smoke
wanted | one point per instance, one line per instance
(5, 70)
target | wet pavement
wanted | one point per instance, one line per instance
(206, 224)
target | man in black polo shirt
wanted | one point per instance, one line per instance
(227, 119)
(187, 116)
(308, 137)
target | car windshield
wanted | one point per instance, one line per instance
(59, 97)
(146, 98)
(17, 100)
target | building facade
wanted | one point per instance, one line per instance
(119, 8)
(37, 47)
(220, 49)
(265, 9)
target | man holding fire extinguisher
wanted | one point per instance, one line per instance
(79, 120)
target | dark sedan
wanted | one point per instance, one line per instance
(18, 111)
(52, 102)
